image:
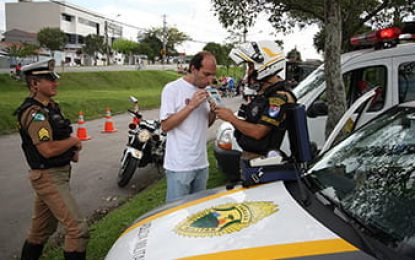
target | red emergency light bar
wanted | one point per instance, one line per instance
(387, 35)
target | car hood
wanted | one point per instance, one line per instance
(250, 223)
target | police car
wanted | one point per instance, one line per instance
(356, 202)
(385, 59)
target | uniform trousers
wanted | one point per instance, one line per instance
(54, 203)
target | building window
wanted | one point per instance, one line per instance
(71, 38)
(86, 22)
(81, 39)
(67, 17)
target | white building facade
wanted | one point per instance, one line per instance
(76, 22)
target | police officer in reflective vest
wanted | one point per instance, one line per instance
(261, 125)
(49, 148)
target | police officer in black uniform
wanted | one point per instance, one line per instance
(49, 148)
(263, 125)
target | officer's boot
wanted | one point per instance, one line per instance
(74, 255)
(31, 251)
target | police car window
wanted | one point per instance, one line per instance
(313, 81)
(371, 175)
(359, 81)
(406, 82)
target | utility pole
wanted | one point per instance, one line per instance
(245, 32)
(164, 51)
(106, 42)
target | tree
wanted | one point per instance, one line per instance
(174, 38)
(220, 52)
(21, 50)
(287, 14)
(151, 45)
(217, 50)
(52, 38)
(94, 44)
(144, 48)
(334, 81)
(347, 18)
(294, 55)
(126, 47)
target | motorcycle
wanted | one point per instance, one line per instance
(146, 144)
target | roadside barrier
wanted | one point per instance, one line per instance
(109, 123)
(81, 131)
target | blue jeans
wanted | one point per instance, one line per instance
(180, 184)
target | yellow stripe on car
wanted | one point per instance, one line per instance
(302, 249)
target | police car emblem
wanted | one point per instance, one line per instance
(225, 219)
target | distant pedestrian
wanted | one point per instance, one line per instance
(185, 115)
(18, 70)
(49, 148)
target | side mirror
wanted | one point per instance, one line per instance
(318, 108)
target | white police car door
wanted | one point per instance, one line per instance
(351, 119)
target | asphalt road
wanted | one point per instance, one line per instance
(93, 181)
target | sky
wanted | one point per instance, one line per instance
(193, 17)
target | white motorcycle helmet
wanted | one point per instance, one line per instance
(266, 56)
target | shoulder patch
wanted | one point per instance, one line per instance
(38, 116)
(43, 134)
(273, 111)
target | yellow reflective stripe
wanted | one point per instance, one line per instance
(244, 57)
(279, 58)
(182, 206)
(310, 248)
(269, 52)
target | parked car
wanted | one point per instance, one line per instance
(296, 71)
(356, 202)
(391, 69)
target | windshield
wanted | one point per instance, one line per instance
(314, 80)
(371, 176)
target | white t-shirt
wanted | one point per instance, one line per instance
(186, 143)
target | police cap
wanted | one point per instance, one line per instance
(42, 69)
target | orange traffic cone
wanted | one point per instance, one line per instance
(109, 124)
(81, 132)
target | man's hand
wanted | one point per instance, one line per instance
(198, 98)
(225, 114)
(212, 104)
(78, 144)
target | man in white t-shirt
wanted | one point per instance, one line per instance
(186, 115)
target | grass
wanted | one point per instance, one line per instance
(106, 231)
(92, 92)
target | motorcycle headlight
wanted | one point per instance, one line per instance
(144, 135)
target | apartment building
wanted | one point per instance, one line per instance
(77, 22)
